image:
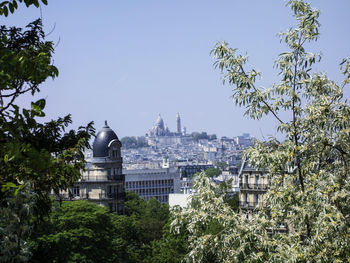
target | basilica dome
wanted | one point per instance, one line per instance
(160, 122)
(102, 141)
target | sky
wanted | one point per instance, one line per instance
(128, 61)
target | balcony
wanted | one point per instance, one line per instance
(250, 205)
(114, 196)
(119, 177)
(245, 186)
(67, 196)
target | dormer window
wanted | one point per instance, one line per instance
(114, 153)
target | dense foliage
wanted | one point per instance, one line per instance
(35, 157)
(76, 231)
(213, 172)
(202, 136)
(10, 6)
(79, 231)
(306, 212)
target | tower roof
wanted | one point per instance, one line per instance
(102, 140)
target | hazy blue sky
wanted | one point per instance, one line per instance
(127, 61)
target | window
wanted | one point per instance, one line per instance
(76, 191)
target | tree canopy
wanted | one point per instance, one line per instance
(36, 157)
(134, 142)
(80, 231)
(308, 171)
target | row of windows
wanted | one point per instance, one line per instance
(257, 179)
(75, 191)
(115, 171)
(114, 189)
(154, 191)
(149, 183)
(115, 153)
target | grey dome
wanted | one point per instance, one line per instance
(102, 140)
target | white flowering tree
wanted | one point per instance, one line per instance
(309, 171)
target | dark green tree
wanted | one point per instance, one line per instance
(212, 172)
(10, 6)
(151, 215)
(77, 231)
(133, 142)
(35, 157)
(222, 165)
(172, 248)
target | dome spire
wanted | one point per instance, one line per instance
(102, 140)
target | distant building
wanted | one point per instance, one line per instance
(103, 181)
(157, 183)
(244, 141)
(229, 176)
(181, 200)
(188, 170)
(253, 184)
(178, 123)
(160, 134)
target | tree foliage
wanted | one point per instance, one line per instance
(172, 248)
(134, 142)
(308, 171)
(151, 216)
(80, 231)
(213, 172)
(7, 7)
(77, 231)
(15, 226)
(35, 157)
(203, 136)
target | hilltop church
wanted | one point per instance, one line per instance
(160, 134)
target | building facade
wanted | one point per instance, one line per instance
(103, 180)
(253, 184)
(160, 134)
(157, 183)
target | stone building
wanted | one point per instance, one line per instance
(178, 124)
(160, 134)
(103, 180)
(253, 184)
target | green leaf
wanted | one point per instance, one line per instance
(12, 9)
(6, 11)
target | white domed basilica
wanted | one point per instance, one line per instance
(160, 133)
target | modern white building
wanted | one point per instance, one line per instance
(181, 200)
(157, 183)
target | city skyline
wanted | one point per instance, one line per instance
(128, 61)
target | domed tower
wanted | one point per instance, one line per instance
(107, 144)
(104, 179)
